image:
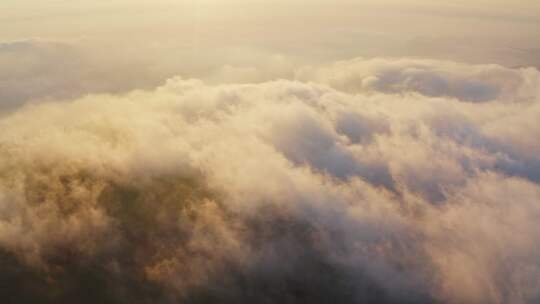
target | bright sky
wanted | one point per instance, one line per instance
(504, 31)
(118, 45)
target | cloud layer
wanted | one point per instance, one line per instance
(37, 70)
(383, 180)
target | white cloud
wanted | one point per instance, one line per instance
(379, 179)
(475, 83)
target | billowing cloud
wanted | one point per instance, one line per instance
(387, 181)
(427, 77)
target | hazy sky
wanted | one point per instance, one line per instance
(503, 31)
(69, 48)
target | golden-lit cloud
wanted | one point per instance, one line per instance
(250, 151)
(388, 180)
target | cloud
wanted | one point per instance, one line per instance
(38, 70)
(388, 181)
(478, 83)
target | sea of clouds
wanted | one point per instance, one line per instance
(385, 180)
